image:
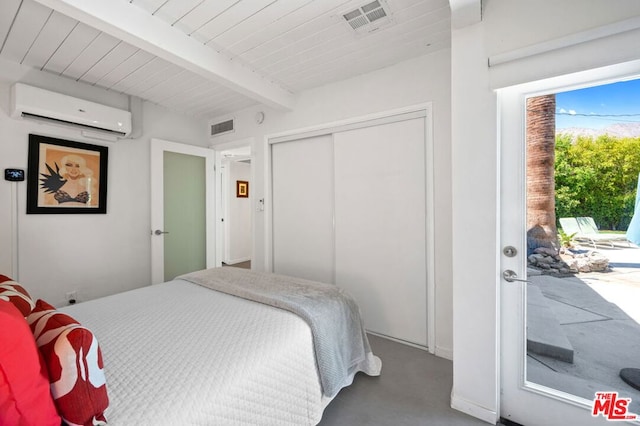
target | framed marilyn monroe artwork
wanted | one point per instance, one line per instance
(66, 176)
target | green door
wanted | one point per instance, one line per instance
(184, 214)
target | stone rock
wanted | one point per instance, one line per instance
(591, 261)
(584, 267)
(572, 264)
(552, 262)
(546, 250)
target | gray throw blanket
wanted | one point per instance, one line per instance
(340, 342)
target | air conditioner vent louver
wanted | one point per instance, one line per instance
(376, 14)
(37, 117)
(358, 22)
(371, 6)
(352, 15)
(369, 17)
(222, 127)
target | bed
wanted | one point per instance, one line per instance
(183, 353)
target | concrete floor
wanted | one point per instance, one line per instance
(599, 313)
(414, 389)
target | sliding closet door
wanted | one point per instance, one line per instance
(380, 234)
(302, 173)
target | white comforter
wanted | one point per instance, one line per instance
(180, 354)
(340, 342)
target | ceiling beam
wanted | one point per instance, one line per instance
(139, 28)
(465, 13)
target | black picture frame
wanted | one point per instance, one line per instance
(77, 187)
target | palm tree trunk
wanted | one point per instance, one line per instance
(541, 138)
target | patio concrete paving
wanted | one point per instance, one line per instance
(599, 314)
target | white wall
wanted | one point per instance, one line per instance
(104, 254)
(420, 80)
(506, 26)
(474, 169)
(513, 25)
(93, 254)
(238, 218)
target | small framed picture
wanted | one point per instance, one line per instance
(66, 176)
(242, 189)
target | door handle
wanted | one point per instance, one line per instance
(159, 232)
(510, 276)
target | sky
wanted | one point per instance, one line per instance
(602, 106)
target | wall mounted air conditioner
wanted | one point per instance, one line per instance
(94, 119)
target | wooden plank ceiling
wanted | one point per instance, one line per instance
(293, 45)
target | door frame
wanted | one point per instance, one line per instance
(157, 149)
(523, 401)
(365, 121)
(221, 209)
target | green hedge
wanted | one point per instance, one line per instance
(597, 177)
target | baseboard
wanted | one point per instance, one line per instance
(446, 353)
(404, 342)
(474, 410)
(234, 261)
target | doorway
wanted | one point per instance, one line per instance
(235, 213)
(182, 209)
(527, 396)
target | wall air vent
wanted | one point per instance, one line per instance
(368, 18)
(222, 127)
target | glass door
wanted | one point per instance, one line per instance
(524, 400)
(185, 245)
(182, 209)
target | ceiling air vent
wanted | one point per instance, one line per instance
(368, 18)
(222, 127)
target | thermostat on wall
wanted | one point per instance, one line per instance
(14, 175)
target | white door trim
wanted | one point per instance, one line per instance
(424, 109)
(157, 150)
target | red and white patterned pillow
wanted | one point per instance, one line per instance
(25, 398)
(74, 360)
(13, 292)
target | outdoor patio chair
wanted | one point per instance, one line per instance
(588, 227)
(571, 225)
